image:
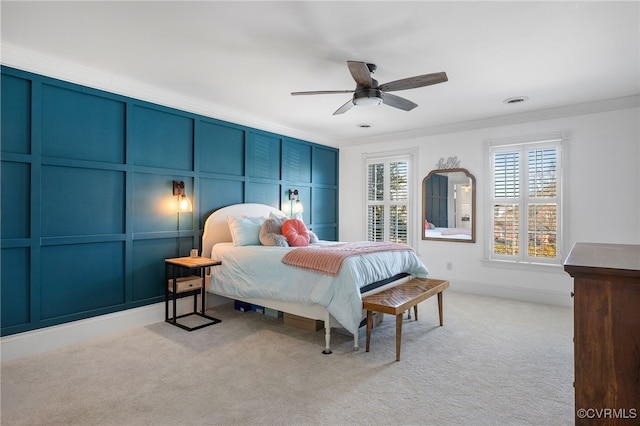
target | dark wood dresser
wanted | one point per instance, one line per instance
(606, 332)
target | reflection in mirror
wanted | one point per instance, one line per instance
(448, 206)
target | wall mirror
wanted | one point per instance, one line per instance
(449, 206)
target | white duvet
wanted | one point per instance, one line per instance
(258, 271)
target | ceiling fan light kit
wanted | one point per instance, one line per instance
(368, 92)
(367, 97)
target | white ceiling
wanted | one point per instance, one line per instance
(240, 60)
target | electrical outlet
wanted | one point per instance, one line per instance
(449, 266)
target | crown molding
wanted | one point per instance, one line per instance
(49, 66)
(525, 117)
(75, 73)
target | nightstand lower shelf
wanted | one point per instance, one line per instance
(174, 320)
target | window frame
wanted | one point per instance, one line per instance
(557, 140)
(387, 158)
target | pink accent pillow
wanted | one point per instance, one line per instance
(296, 232)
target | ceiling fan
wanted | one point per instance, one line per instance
(369, 92)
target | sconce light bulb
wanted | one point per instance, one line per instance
(184, 204)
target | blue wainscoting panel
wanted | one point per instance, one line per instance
(221, 149)
(296, 161)
(16, 114)
(15, 202)
(216, 193)
(81, 277)
(325, 166)
(436, 197)
(148, 266)
(154, 205)
(263, 193)
(87, 208)
(162, 139)
(81, 201)
(263, 156)
(328, 233)
(82, 126)
(15, 288)
(323, 201)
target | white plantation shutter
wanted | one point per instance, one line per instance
(375, 223)
(375, 194)
(506, 208)
(507, 175)
(375, 179)
(525, 202)
(542, 203)
(398, 189)
(387, 199)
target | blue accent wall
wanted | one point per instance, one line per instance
(87, 213)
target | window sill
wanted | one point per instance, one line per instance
(527, 266)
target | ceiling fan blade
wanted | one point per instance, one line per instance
(321, 92)
(360, 73)
(413, 82)
(344, 108)
(397, 102)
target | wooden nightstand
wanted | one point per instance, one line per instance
(177, 287)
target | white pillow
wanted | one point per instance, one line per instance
(245, 231)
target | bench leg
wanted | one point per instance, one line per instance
(398, 335)
(439, 307)
(415, 311)
(369, 326)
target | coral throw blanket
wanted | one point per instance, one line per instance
(327, 259)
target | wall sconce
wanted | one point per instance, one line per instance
(184, 204)
(296, 204)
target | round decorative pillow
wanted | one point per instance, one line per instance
(296, 232)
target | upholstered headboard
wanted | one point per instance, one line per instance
(216, 228)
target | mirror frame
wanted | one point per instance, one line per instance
(473, 206)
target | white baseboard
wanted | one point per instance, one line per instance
(514, 293)
(45, 339)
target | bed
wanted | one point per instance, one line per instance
(449, 233)
(256, 274)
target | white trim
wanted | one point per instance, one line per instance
(523, 140)
(46, 339)
(558, 140)
(57, 68)
(505, 120)
(15, 57)
(521, 294)
(411, 155)
(529, 266)
(34, 342)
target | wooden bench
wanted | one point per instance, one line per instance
(397, 300)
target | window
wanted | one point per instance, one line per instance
(526, 201)
(387, 201)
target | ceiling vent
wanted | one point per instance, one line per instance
(516, 100)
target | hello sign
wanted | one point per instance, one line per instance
(450, 163)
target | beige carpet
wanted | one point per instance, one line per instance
(495, 362)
